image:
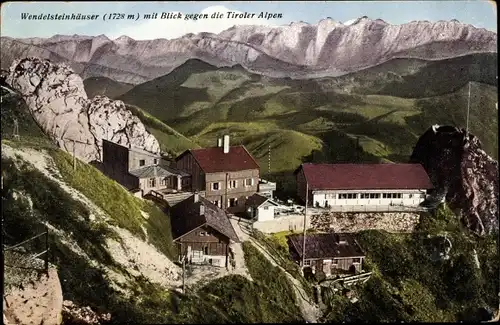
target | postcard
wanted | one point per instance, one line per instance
(255, 162)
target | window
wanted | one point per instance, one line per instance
(374, 195)
(356, 260)
(343, 196)
(249, 182)
(155, 161)
(163, 181)
(266, 208)
(152, 182)
(232, 184)
(203, 233)
(364, 196)
(335, 261)
(410, 196)
(205, 250)
(307, 262)
(233, 202)
(352, 196)
(385, 195)
(142, 162)
(399, 195)
(216, 202)
(215, 186)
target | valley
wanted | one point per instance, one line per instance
(372, 115)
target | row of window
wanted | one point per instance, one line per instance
(232, 202)
(232, 184)
(164, 182)
(335, 261)
(349, 196)
(142, 162)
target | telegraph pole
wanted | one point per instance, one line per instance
(468, 108)
(74, 155)
(269, 160)
(305, 221)
(184, 275)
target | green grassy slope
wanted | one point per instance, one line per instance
(43, 200)
(171, 141)
(29, 199)
(409, 286)
(373, 115)
(105, 87)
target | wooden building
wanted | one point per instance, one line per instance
(227, 175)
(137, 169)
(328, 252)
(363, 187)
(202, 232)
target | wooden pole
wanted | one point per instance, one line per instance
(47, 249)
(184, 274)
(305, 227)
(74, 156)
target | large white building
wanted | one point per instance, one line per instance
(363, 187)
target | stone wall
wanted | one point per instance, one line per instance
(343, 222)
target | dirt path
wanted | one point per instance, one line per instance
(309, 310)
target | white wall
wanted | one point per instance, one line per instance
(395, 222)
(409, 198)
(265, 215)
(197, 257)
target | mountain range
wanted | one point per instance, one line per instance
(297, 50)
(359, 92)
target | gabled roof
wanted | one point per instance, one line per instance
(326, 246)
(186, 216)
(365, 176)
(214, 160)
(257, 200)
(156, 171)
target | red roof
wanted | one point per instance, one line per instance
(214, 160)
(366, 176)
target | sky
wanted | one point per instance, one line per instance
(479, 13)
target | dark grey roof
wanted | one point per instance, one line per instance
(185, 216)
(156, 171)
(144, 152)
(326, 246)
(257, 200)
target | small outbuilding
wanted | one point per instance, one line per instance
(260, 208)
(328, 252)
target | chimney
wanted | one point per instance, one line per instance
(196, 197)
(226, 143)
(219, 143)
(202, 209)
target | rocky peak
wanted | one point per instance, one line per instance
(57, 100)
(459, 167)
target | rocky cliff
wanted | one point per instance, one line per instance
(57, 100)
(460, 169)
(298, 50)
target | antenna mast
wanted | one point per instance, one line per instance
(305, 221)
(468, 108)
(269, 160)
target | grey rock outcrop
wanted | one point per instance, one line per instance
(458, 166)
(57, 100)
